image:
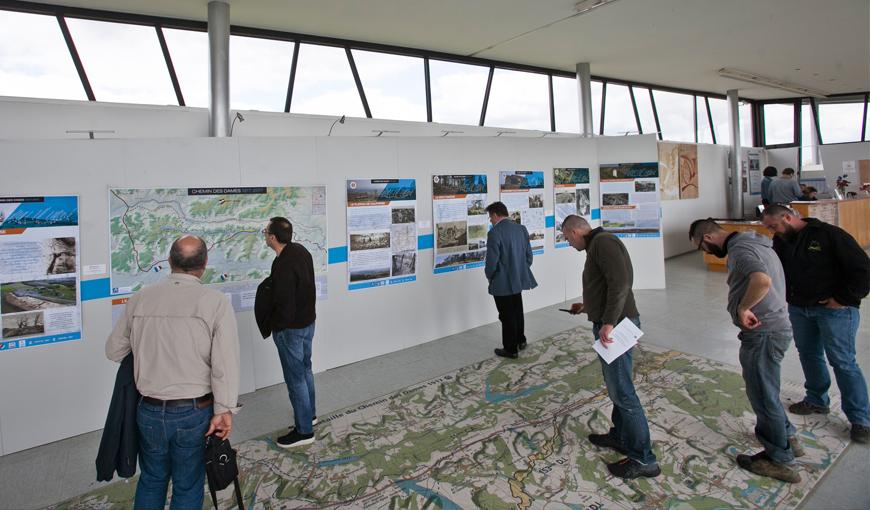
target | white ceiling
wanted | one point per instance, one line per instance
(822, 44)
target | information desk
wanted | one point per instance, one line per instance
(717, 264)
(852, 215)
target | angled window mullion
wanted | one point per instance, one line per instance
(292, 81)
(603, 103)
(428, 85)
(486, 95)
(652, 101)
(710, 119)
(552, 104)
(814, 107)
(759, 118)
(695, 115)
(634, 107)
(359, 85)
(171, 68)
(864, 120)
(80, 68)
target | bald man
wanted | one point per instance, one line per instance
(185, 349)
(607, 300)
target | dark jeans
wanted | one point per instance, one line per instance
(510, 313)
(630, 428)
(294, 350)
(171, 446)
(820, 332)
(761, 354)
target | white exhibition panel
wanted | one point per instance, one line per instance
(647, 254)
(712, 201)
(61, 390)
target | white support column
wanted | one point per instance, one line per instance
(584, 90)
(735, 188)
(219, 68)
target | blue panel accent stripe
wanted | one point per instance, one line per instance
(338, 254)
(425, 242)
(596, 214)
(550, 221)
(95, 289)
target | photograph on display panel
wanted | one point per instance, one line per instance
(570, 196)
(381, 232)
(459, 221)
(522, 192)
(40, 299)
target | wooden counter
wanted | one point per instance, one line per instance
(717, 264)
(852, 215)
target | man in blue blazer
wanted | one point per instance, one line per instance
(508, 269)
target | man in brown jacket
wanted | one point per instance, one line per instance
(607, 299)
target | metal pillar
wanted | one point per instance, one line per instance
(219, 68)
(735, 188)
(584, 90)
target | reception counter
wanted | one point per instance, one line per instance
(852, 215)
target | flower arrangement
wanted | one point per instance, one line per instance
(843, 183)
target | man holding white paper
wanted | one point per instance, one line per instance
(608, 301)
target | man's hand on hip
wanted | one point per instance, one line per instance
(831, 303)
(221, 424)
(747, 319)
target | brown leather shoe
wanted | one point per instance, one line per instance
(760, 464)
(796, 447)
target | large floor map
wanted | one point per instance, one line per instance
(506, 434)
(144, 222)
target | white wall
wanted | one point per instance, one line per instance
(712, 200)
(834, 155)
(647, 254)
(74, 380)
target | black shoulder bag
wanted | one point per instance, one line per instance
(221, 468)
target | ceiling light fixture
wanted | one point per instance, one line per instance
(749, 77)
(584, 6)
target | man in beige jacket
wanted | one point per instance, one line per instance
(185, 347)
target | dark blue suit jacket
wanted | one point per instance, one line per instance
(509, 259)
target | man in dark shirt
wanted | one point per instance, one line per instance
(827, 275)
(607, 299)
(292, 315)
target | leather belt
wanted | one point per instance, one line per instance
(200, 402)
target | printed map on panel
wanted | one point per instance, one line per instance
(144, 222)
(503, 434)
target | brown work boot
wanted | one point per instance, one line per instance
(760, 464)
(796, 447)
(804, 408)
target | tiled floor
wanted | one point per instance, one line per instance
(689, 316)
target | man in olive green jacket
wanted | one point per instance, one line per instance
(607, 299)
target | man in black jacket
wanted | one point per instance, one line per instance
(827, 275)
(291, 318)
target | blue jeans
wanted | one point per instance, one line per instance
(630, 428)
(171, 446)
(761, 354)
(294, 350)
(821, 331)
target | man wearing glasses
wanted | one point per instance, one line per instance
(285, 307)
(756, 301)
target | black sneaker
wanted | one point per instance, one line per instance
(860, 434)
(760, 464)
(606, 441)
(506, 354)
(294, 438)
(630, 468)
(803, 407)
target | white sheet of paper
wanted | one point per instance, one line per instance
(624, 336)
